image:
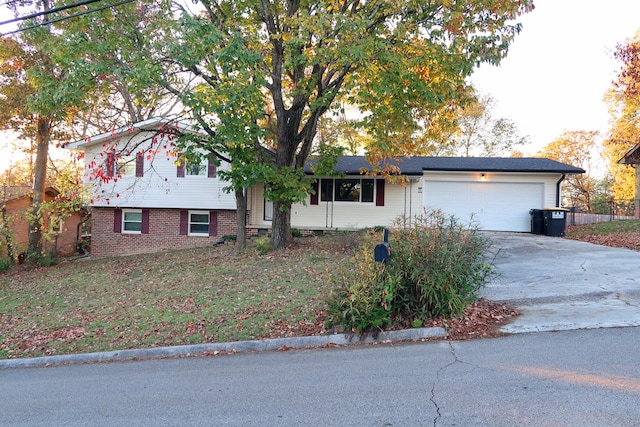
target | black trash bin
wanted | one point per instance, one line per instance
(537, 221)
(555, 221)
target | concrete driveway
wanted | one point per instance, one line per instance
(561, 284)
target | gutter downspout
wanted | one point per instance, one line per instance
(558, 189)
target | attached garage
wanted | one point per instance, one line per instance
(494, 193)
(497, 206)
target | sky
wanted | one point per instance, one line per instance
(557, 70)
(559, 67)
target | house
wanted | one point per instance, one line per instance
(143, 199)
(632, 157)
(494, 193)
(15, 202)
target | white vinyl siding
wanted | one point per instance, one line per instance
(159, 186)
(398, 200)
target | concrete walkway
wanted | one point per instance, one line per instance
(562, 284)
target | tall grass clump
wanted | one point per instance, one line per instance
(5, 264)
(437, 267)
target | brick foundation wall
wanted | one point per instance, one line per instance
(164, 233)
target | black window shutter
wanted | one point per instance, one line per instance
(213, 223)
(139, 164)
(211, 168)
(180, 169)
(380, 192)
(314, 197)
(111, 164)
(145, 221)
(184, 222)
(117, 220)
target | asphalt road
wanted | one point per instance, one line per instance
(570, 378)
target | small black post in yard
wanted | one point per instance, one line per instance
(382, 251)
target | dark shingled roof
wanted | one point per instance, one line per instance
(351, 165)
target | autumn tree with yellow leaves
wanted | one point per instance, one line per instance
(577, 149)
(624, 107)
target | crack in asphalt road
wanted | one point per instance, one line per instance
(435, 383)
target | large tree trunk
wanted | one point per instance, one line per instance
(281, 226)
(39, 183)
(241, 220)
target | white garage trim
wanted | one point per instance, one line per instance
(492, 205)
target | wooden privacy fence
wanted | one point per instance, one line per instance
(602, 212)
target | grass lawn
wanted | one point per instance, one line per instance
(171, 298)
(622, 234)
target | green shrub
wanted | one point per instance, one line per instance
(436, 268)
(41, 260)
(296, 233)
(263, 244)
(5, 264)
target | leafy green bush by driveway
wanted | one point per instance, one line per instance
(437, 267)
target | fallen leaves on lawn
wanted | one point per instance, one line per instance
(629, 239)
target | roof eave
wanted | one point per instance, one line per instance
(146, 125)
(494, 170)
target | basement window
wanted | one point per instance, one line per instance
(198, 223)
(132, 221)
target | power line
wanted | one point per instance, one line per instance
(8, 2)
(48, 11)
(97, 9)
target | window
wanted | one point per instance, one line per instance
(198, 223)
(347, 190)
(206, 169)
(116, 165)
(268, 210)
(192, 169)
(367, 191)
(132, 221)
(126, 165)
(55, 224)
(326, 190)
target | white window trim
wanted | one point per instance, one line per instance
(347, 202)
(207, 213)
(123, 230)
(268, 210)
(204, 165)
(55, 224)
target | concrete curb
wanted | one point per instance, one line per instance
(229, 347)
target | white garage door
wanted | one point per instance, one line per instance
(498, 206)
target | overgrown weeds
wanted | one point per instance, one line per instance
(436, 269)
(5, 264)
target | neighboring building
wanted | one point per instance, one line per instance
(495, 193)
(632, 158)
(15, 202)
(144, 200)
